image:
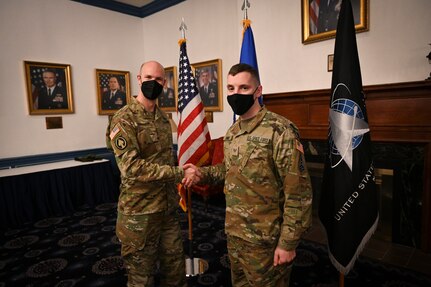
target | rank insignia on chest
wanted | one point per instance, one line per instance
(235, 151)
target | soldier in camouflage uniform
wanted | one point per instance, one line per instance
(147, 224)
(267, 186)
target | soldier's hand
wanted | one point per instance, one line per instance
(282, 256)
(192, 175)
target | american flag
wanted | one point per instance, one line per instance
(314, 16)
(104, 80)
(193, 136)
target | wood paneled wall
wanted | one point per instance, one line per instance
(399, 112)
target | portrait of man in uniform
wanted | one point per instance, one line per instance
(113, 90)
(167, 100)
(320, 18)
(209, 84)
(49, 88)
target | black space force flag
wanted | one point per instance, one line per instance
(349, 205)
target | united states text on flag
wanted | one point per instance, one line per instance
(193, 135)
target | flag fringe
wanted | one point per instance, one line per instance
(245, 24)
(181, 41)
(346, 269)
(182, 194)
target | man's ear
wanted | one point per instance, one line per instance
(259, 91)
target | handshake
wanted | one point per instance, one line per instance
(192, 175)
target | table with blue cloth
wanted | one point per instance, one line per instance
(54, 189)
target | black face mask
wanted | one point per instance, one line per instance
(241, 103)
(151, 89)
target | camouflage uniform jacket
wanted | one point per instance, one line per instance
(267, 185)
(142, 143)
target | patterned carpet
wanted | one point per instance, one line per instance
(82, 250)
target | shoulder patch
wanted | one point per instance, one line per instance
(298, 146)
(119, 139)
(120, 143)
(114, 132)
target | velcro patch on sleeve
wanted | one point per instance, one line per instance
(114, 132)
(299, 146)
(120, 143)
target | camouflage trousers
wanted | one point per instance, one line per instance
(151, 244)
(252, 265)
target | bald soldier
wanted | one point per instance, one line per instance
(266, 184)
(147, 224)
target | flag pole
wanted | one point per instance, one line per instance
(189, 216)
(245, 24)
(194, 266)
(189, 262)
(183, 28)
(245, 6)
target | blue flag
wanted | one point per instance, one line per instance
(248, 51)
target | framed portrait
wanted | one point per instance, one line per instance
(113, 90)
(49, 88)
(320, 18)
(208, 77)
(167, 101)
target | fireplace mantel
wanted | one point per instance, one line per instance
(397, 113)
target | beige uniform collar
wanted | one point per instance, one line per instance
(136, 107)
(247, 126)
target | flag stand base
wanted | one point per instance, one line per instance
(195, 266)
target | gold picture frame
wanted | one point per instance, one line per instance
(113, 90)
(330, 62)
(168, 99)
(49, 88)
(323, 26)
(209, 117)
(209, 81)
